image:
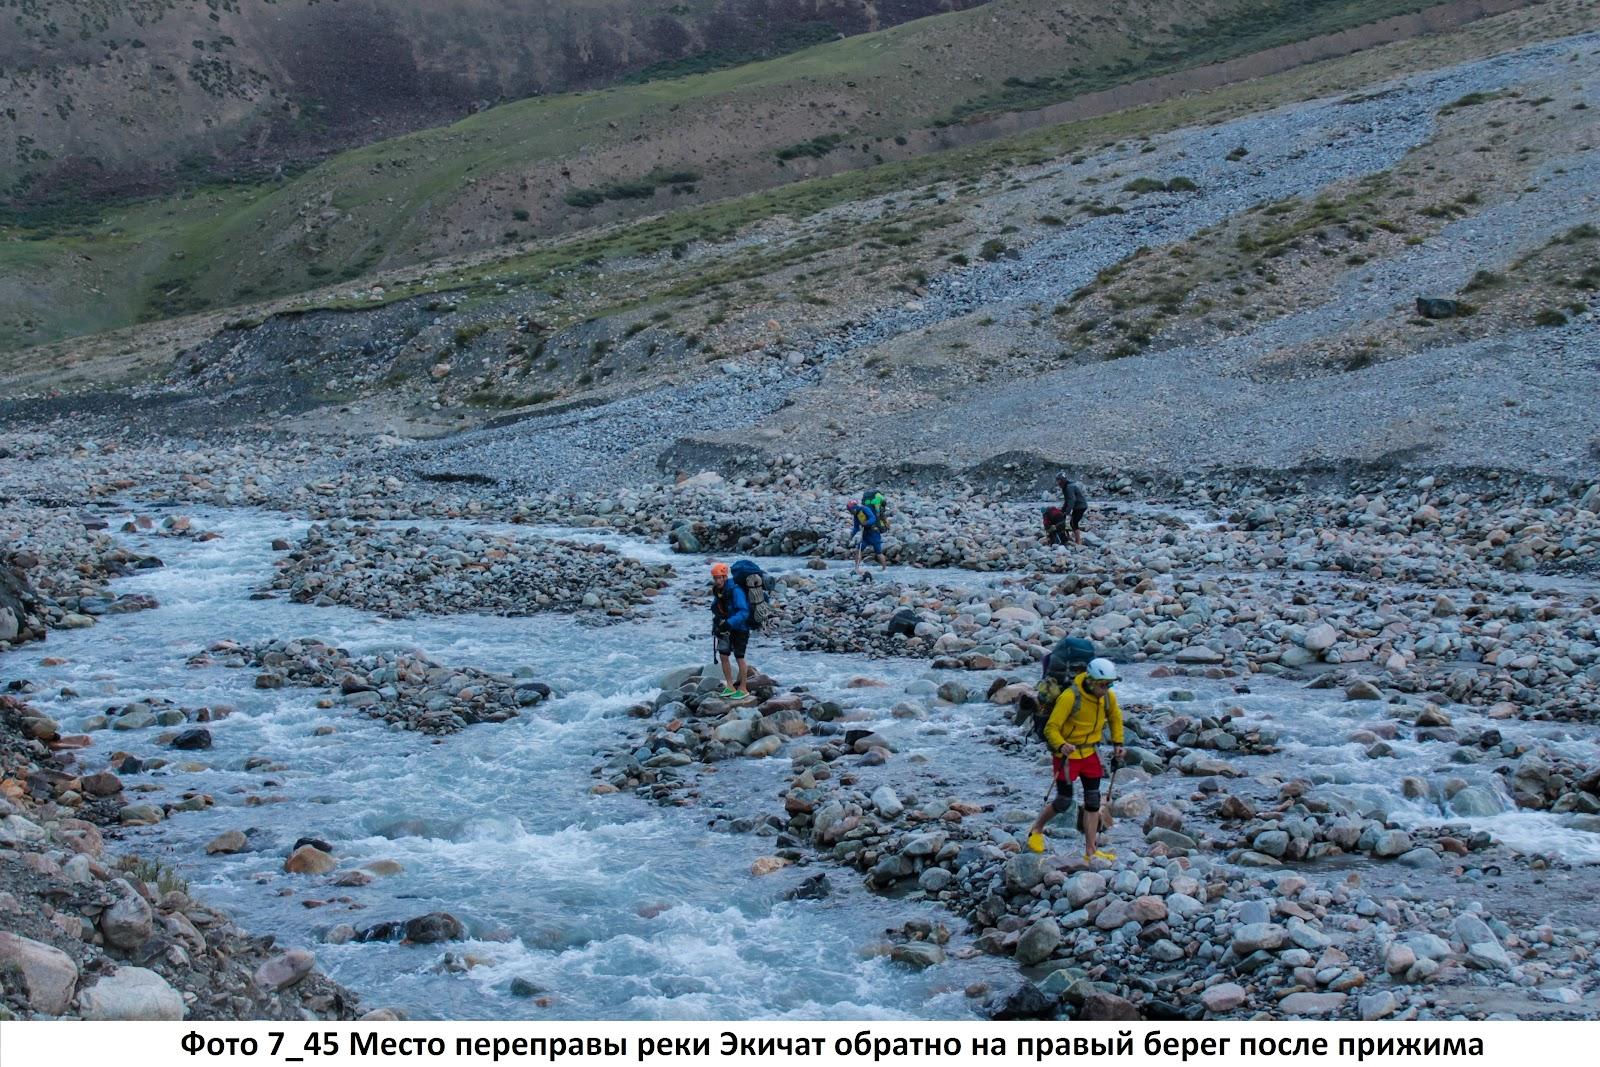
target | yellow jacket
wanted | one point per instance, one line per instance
(1079, 719)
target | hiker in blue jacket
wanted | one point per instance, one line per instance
(865, 525)
(730, 626)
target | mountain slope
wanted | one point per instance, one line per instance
(107, 96)
(551, 165)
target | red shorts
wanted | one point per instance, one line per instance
(1073, 769)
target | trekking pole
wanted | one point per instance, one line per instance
(1111, 790)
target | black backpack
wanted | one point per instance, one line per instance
(755, 582)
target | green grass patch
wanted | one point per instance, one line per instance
(641, 189)
(815, 148)
(1156, 185)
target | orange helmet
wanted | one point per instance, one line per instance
(719, 570)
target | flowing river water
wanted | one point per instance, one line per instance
(616, 907)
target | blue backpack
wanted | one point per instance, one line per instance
(755, 582)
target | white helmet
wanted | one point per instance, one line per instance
(1102, 670)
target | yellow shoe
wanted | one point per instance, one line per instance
(1102, 854)
(1035, 842)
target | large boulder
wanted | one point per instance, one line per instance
(196, 738)
(1321, 637)
(128, 923)
(133, 994)
(1038, 942)
(284, 970)
(309, 859)
(918, 954)
(227, 843)
(1084, 887)
(1023, 872)
(1361, 689)
(47, 975)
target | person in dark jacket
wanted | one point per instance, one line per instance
(1074, 503)
(730, 625)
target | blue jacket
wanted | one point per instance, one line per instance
(857, 526)
(731, 606)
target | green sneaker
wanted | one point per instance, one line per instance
(728, 692)
(740, 694)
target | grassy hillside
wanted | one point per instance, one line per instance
(614, 306)
(548, 165)
(106, 95)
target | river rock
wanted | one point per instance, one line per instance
(917, 954)
(227, 843)
(103, 784)
(1376, 1006)
(1084, 887)
(1100, 1006)
(1272, 842)
(1254, 937)
(1038, 942)
(1026, 1001)
(764, 865)
(128, 923)
(131, 994)
(1432, 715)
(432, 928)
(1171, 838)
(309, 859)
(1398, 958)
(48, 975)
(1320, 638)
(1023, 872)
(1312, 1003)
(886, 802)
(817, 887)
(284, 970)
(1475, 801)
(197, 738)
(1391, 843)
(1236, 808)
(763, 747)
(1361, 689)
(1223, 997)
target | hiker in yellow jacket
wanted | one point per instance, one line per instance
(1075, 728)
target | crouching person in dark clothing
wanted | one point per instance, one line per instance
(1055, 526)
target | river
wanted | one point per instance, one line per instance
(615, 907)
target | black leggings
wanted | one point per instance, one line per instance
(1063, 798)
